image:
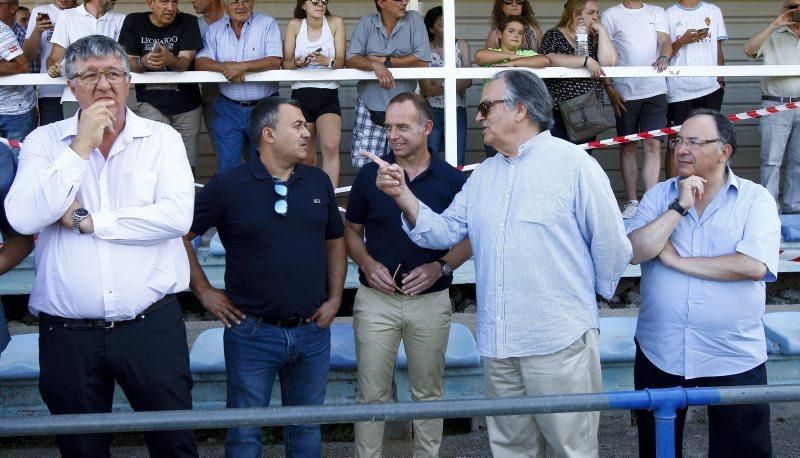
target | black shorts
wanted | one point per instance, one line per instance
(316, 102)
(643, 115)
(678, 112)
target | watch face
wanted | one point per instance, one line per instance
(81, 212)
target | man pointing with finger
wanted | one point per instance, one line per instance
(110, 195)
(707, 242)
(404, 288)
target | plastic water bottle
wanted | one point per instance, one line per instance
(581, 39)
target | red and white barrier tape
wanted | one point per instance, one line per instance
(753, 114)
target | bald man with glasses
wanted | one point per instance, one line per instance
(707, 242)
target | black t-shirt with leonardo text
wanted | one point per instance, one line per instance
(139, 36)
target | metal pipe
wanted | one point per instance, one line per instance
(271, 416)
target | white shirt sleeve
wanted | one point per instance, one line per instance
(168, 217)
(661, 20)
(61, 31)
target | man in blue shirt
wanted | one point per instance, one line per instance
(404, 290)
(15, 247)
(707, 242)
(284, 274)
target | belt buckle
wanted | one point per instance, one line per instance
(109, 327)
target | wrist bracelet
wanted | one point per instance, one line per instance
(665, 58)
(585, 60)
(139, 60)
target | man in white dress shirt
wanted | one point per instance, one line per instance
(546, 237)
(110, 195)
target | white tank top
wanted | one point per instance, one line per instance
(303, 47)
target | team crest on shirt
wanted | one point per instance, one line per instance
(12, 48)
(316, 201)
(708, 20)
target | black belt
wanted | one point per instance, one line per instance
(774, 98)
(249, 103)
(291, 322)
(96, 323)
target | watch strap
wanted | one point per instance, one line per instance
(675, 205)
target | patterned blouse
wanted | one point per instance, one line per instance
(554, 42)
(437, 101)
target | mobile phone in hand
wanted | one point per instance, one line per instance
(703, 31)
(43, 16)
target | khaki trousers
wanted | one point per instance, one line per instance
(380, 320)
(187, 124)
(575, 369)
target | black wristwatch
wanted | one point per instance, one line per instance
(388, 62)
(447, 269)
(675, 205)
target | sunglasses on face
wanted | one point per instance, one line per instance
(282, 204)
(317, 2)
(511, 2)
(486, 106)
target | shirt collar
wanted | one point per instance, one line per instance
(532, 143)
(732, 180)
(433, 169)
(227, 20)
(260, 172)
(400, 22)
(134, 127)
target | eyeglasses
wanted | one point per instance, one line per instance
(317, 2)
(282, 204)
(93, 77)
(238, 2)
(394, 279)
(486, 106)
(511, 2)
(693, 144)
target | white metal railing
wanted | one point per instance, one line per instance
(449, 73)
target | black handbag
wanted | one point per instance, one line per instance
(584, 116)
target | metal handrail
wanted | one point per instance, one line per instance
(663, 403)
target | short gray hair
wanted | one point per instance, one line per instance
(93, 46)
(265, 114)
(528, 89)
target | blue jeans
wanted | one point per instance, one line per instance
(254, 353)
(231, 133)
(16, 127)
(436, 138)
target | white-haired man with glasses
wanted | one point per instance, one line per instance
(546, 237)
(239, 43)
(284, 274)
(707, 242)
(110, 195)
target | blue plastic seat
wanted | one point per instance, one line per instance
(790, 228)
(783, 328)
(20, 360)
(343, 348)
(616, 339)
(215, 247)
(462, 351)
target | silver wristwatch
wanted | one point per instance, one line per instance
(447, 269)
(78, 215)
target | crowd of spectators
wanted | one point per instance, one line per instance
(689, 32)
(114, 185)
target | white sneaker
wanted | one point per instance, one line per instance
(630, 209)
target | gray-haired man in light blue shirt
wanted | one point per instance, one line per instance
(547, 235)
(707, 242)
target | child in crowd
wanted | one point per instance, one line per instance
(510, 53)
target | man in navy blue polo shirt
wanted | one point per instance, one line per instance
(404, 288)
(284, 275)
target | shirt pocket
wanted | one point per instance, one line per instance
(138, 188)
(722, 240)
(542, 210)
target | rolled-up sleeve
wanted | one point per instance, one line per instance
(762, 234)
(44, 188)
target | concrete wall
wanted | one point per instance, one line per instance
(743, 19)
